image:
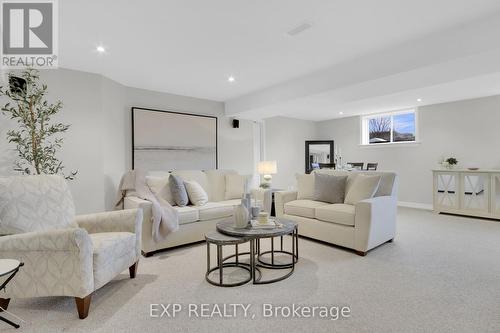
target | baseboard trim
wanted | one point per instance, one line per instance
(416, 205)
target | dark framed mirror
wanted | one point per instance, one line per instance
(319, 154)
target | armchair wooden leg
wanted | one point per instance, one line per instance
(360, 253)
(133, 270)
(4, 303)
(83, 305)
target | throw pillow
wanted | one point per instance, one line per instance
(35, 203)
(196, 193)
(329, 188)
(178, 191)
(235, 186)
(363, 187)
(305, 186)
(160, 188)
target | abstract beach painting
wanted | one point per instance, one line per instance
(169, 140)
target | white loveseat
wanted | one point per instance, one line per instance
(361, 227)
(194, 221)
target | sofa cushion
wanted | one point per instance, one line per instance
(235, 186)
(197, 175)
(113, 252)
(187, 214)
(387, 179)
(35, 203)
(304, 208)
(363, 187)
(178, 190)
(232, 202)
(215, 210)
(305, 186)
(216, 180)
(160, 188)
(196, 193)
(329, 188)
(336, 213)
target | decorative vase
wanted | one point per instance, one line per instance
(241, 216)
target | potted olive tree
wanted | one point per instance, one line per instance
(37, 137)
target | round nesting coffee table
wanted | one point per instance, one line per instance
(221, 240)
(254, 235)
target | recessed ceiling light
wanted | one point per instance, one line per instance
(341, 113)
(419, 100)
(101, 49)
(231, 79)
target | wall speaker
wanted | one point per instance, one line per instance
(236, 123)
(17, 84)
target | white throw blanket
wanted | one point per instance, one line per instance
(165, 218)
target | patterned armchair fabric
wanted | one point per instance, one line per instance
(35, 203)
(56, 263)
(66, 257)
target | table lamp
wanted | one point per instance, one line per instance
(267, 168)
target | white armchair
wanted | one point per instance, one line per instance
(63, 255)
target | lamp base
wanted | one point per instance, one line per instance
(267, 182)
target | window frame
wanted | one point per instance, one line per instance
(365, 128)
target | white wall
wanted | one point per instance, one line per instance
(99, 141)
(82, 148)
(285, 142)
(467, 130)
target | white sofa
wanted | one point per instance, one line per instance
(194, 221)
(361, 227)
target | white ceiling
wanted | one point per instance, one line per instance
(190, 47)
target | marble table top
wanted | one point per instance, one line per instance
(284, 227)
(8, 266)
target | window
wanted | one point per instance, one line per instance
(393, 127)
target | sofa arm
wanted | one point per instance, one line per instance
(135, 202)
(129, 220)
(281, 198)
(375, 222)
(56, 263)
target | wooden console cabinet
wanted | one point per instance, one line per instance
(467, 192)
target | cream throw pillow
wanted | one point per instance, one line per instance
(196, 193)
(159, 186)
(235, 186)
(362, 188)
(305, 186)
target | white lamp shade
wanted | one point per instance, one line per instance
(267, 167)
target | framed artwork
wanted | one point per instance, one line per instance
(169, 140)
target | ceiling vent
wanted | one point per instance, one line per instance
(299, 29)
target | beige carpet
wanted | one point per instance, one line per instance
(441, 274)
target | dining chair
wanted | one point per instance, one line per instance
(371, 166)
(357, 165)
(326, 165)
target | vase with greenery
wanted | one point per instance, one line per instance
(37, 137)
(450, 162)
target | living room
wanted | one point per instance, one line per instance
(364, 133)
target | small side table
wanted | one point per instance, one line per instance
(9, 267)
(273, 206)
(221, 240)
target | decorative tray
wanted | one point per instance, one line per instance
(271, 224)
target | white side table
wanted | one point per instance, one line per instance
(8, 267)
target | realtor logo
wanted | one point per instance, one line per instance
(29, 34)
